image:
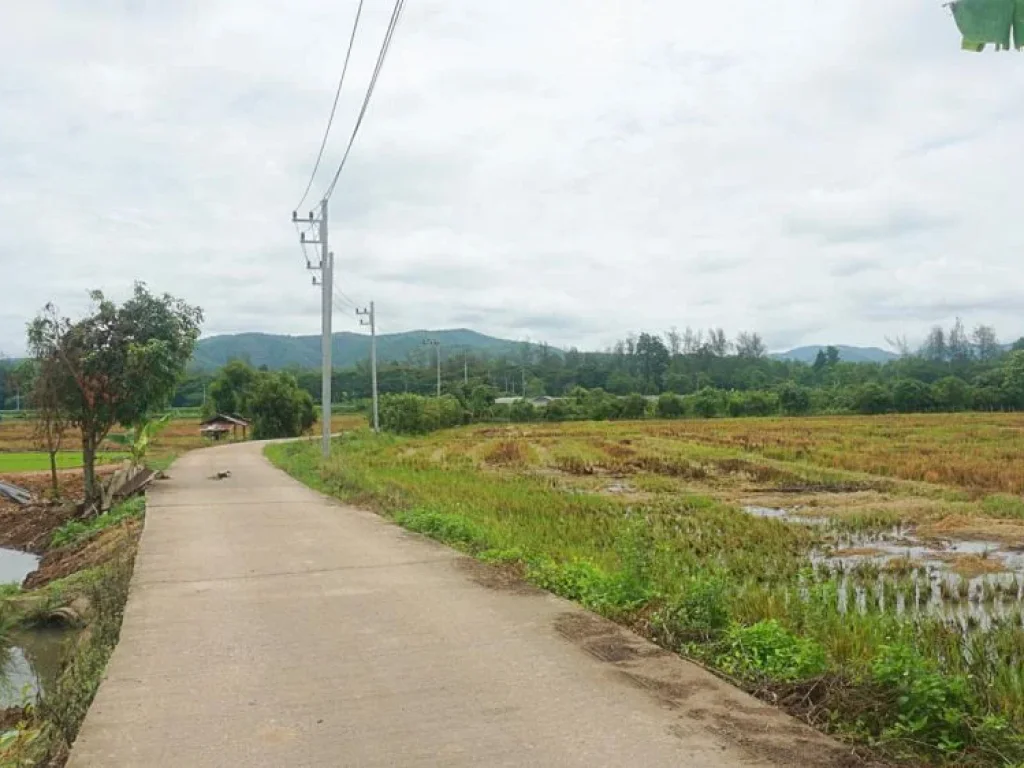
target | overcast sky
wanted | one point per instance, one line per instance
(559, 170)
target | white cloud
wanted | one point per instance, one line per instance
(565, 171)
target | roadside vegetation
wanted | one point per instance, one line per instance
(882, 607)
(114, 369)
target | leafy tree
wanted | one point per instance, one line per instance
(934, 347)
(51, 417)
(653, 357)
(950, 394)
(622, 383)
(986, 343)
(718, 343)
(958, 346)
(118, 365)
(794, 400)
(911, 396)
(820, 361)
(230, 389)
(750, 345)
(1018, 345)
(278, 407)
(832, 356)
(872, 398)
(1013, 378)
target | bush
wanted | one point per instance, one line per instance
(707, 403)
(794, 400)
(768, 650)
(416, 414)
(634, 407)
(452, 529)
(670, 406)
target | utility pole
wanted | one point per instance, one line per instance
(436, 345)
(373, 358)
(326, 269)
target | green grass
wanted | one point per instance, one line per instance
(76, 531)
(702, 578)
(33, 461)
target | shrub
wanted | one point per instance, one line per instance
(701, 612)
(794, 400)
(769, 650)
(415, 414)
(669, 406)
(634, 407)
(452, 529)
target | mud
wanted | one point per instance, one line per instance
(687, 690)
(503, 577)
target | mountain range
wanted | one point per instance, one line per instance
(277, 351)
(846, 353)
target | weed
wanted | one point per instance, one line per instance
(768, 650)
(76, 531)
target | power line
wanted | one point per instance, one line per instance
(334, 106)
(385, 47)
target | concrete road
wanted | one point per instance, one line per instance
(270, 626)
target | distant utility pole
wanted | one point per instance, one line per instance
(372, 322)
(437, 345)
(326, 269)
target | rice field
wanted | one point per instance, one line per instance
(866, 572)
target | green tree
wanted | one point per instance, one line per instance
(750, 345)
(230, 389)
(118, 365)
(278, 407)
(1013, 378)
(794, 400)
(950, 394)
(832, 356)
(653, 357)
(872, 398)
(911, 396)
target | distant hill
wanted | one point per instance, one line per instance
(276, 351)
(846, 354)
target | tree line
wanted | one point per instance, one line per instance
(952, 370)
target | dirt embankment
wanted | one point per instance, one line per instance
(30, 528)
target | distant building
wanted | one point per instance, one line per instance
(222, 424)
(536, 402)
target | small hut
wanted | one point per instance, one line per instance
(222, 424)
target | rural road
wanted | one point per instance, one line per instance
(270, 626)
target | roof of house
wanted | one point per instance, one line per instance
(223, 418)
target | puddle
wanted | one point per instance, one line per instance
(785, 515)
(31, 664)
(16, 565)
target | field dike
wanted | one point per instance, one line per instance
(817, 589)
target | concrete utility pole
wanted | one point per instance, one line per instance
(326, 268)
(437, 345)
(373, 358)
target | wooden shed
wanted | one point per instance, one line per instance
(222, 424)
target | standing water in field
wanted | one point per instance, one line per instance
(29, 659)
(16, 565)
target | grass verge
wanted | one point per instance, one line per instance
(700, 577)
